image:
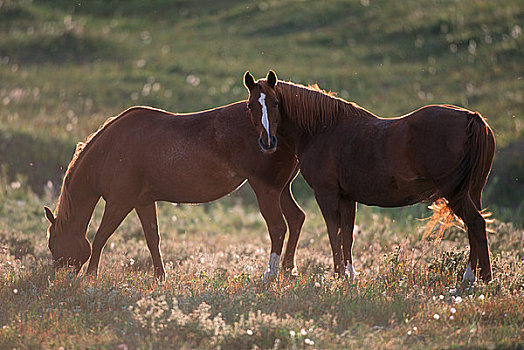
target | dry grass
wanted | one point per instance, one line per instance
(407, 295)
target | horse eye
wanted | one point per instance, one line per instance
(276, 103)
(249, 106)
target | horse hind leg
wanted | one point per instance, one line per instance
(148, 219)
(469, 274)
(113, 216)
(468, 211)
(295, 219)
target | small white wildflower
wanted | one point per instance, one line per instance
(131, 261)
(317, 285)
(453, 310)
(481, 297)
(451, 317)
(458, 300)
(249, 332)
(441, 297)
(436, 316)
(452, 291)
(292, 334)
(15, 291)
(415, 328)
(409, 332)
(303, 331)
(309, 341)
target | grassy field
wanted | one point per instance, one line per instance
(65, 67)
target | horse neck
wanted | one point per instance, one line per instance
(76, 204)
(304, 113)
(308, 111)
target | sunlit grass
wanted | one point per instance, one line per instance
(408, 293)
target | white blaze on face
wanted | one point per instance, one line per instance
(265, 118)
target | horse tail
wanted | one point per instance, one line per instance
(469, 178)
(479, 157)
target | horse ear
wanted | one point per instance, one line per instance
(49, 215)
(271, 79)
(249, 81)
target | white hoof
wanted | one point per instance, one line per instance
(469, 275)
(350, 271)
(272, 268)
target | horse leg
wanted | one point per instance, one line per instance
(469, 274)
(478, 240)
(113, 216)
(269, 204)
(148, 219)
(329, 206)
(295, 219)
(347, 222)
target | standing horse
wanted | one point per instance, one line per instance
(349, 155)
(146, 155)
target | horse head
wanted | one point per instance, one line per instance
(67, 248)
(263, 106)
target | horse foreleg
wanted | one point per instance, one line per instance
(295, 219)
(329, 206)
(347, 222)
(148, 219)
(113, 216)
(269, 204)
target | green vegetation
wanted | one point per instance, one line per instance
(65, 67)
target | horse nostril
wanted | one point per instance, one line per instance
(273, 141)
(268, 147)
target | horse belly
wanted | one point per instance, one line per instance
(392, 193)
(193, 185)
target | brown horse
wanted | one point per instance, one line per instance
(349, 155)
(146, 155)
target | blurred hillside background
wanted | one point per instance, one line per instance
(66, 66)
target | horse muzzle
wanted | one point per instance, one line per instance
(268, 147)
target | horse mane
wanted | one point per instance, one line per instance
(64, 205)
(311, 107)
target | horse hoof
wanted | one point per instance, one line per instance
(290, 271)
(269, 277)
(350, 272)
(469, 275)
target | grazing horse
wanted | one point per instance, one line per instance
(146, 155)
(349, 155)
